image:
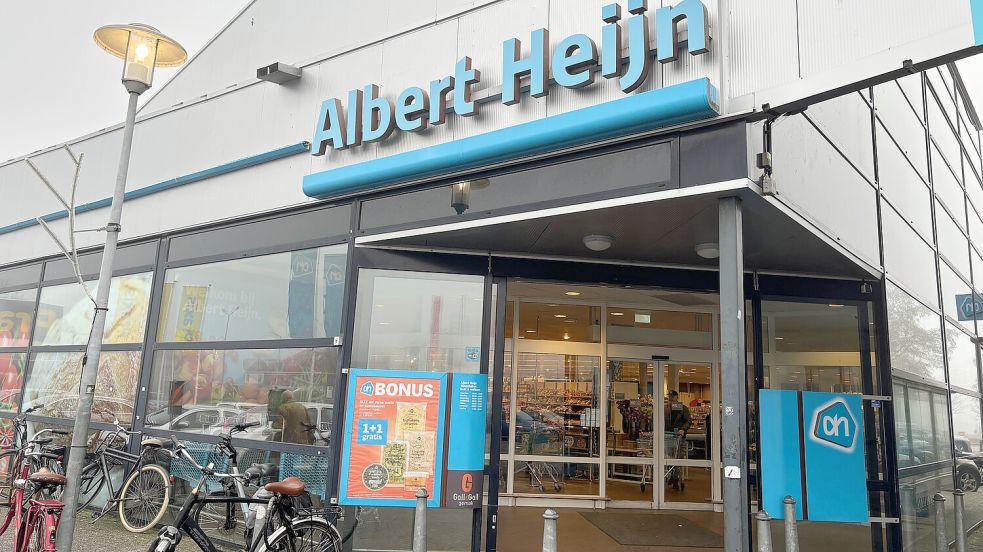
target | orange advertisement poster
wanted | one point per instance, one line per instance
(394, 437)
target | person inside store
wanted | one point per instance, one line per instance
(677, 416)
(294, 421)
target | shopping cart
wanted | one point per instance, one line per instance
(675, 445)
(542, 440)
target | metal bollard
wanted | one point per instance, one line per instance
(549, 530)
(909, 514)
(960, 511)
(764, 532)
(791, 531)
(941, 542)
(420, 522)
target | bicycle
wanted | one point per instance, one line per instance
(12, 459)
(35, 521)
(282, 530)
(143, 498)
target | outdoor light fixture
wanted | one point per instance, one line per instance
(461, 193)
(573, 293)
(709, 250)
(142, 48)
(598, 242)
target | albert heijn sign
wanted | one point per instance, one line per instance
(368, 115)
(812, 448)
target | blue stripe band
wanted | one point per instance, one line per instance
(976, 8)
(225, 168)
(680, 103)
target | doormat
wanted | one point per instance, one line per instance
(644, 529)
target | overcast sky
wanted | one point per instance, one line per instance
(57, 84)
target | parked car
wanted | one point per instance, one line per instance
(964, 449)
(967, 475)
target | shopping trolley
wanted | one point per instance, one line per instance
(675, 444)
(542, 440)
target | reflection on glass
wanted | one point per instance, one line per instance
(686, 403)
(53, 380)
(12, 366)
(555, 322)
(963, 370)
(915, 336)
(630, 410)
(288, 391)
(552, 478)
(418, 321)
(65, 312)
(16, 316)
(966, 427)
(658, 328)
(557, 411)
(297, 294)
(923, 430)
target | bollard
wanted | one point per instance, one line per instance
(960, 510)
(420, 522)
(791, 531)
(764, 532)
(549, 530)
(909, 514)
(941, 543)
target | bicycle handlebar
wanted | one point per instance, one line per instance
(181, 451)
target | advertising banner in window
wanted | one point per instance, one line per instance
(394, 438)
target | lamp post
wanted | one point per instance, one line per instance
(142, 48)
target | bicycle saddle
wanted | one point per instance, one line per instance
(290, 486)
(47, 477)
(156, 442)
(43, 440)
(258, 471)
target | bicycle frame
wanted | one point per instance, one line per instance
(185, 522)
(135, 461)
(46, 512)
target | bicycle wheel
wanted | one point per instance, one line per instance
(90, 483)
(8, 469)
(37, 537)
(310, 535)
(218, 518)
(144, 498)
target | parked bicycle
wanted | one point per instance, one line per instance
(278, 527)
(143, 498)
(12, 459)
(33, 517)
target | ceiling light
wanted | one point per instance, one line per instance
(573, 293)
(617, 314)
(643, 318)
(522, 337)
(566, 336)
(835, 306)
(384, 323)
(598, 242)
(379, 306)
(530, 331)
(779, 338)
(708, 250)
(559, 316)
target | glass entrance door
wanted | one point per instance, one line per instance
(661, 434)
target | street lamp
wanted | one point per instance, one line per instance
(142, 48)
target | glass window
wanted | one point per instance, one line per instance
(975, 225)
(658, 328)
(966, 424)
(923, 432)
(297, 294)
(556, 405)
(963, 370)
(142, 256)
(897, 115)
(646, 167)
(281, 231)
(417, 321)
(915, 336)
(555, 322)
(206, 391)
(953, 244)
(908, 258)
(12, 367)
(912, 88)
(942, 133)
(954, 292)
(16, 317)
(917, 507)
(947, 188)
(20, 276)
(53, 380)
(65, 312)
(902, 186)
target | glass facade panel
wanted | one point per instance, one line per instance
(21, 276)
(12, 368)
(297, 294)
(917, 507)
(141, 256)
(915, 336)
(975, 225)
(557, 478)
(53, 380)
(948, 189)
(908, 258)
(963, 369)
(417, 321)
(288, 391)
(902, 186)
(555, 322)
(942, 134)
(65, 312)
(953, 244)
(657, 328)
(954, 289)
(923, 430)
(900, 119)
(967, 427)
(16, 317)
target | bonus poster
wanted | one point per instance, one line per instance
(394, 437)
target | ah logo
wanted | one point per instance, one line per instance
(368, 388)
(834, 425)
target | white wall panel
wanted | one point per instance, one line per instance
(835, 33)
(480, 36)
(448, 8)
(763, 45)
(409, 14)
(846, 123)
(415, 59)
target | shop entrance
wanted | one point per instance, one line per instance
(587, 403)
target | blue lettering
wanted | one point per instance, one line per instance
(438, 99)
(464, 77)
(638, 47)
(667, 29)
(330, 129)
(536, 66)
(572, 61)
(611, 41)
(411, 109)
(377, 116)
